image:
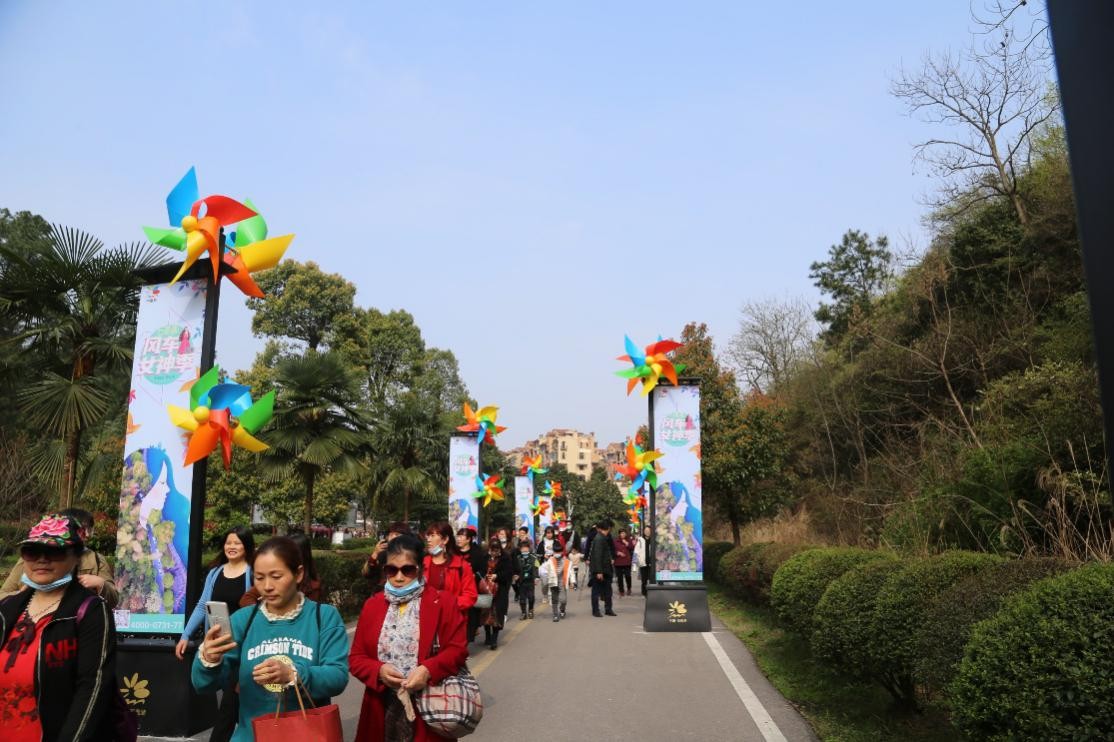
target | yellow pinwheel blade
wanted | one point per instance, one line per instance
(244, 439)
(260, 256)
(488, 413)
(182, 418)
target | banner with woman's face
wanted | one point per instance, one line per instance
(153, 533)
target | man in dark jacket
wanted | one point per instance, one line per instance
(601, 565)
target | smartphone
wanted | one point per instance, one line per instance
(218, 614)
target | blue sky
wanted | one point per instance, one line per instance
(530, 180)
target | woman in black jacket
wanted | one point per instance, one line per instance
(58, 651)
(477, 558)
(499, 572)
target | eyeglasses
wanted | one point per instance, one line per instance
(35, 553)
(408, 570)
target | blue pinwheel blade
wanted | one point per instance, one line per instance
(635, 354)
(180, 200)
(236, 397)
(479, 484)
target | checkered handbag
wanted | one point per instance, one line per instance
(454, 707)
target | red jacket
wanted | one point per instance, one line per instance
(459, 580)
(439, 617)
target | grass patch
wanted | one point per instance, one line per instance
(839, 709)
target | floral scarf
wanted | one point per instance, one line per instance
(398, 646)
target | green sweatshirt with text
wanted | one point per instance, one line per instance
(314, 640)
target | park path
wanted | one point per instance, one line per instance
(593, 678)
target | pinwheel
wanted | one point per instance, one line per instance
(650, 366)
(482, 422)
(489, 488)
(558, 518)
(195, 233)
(221, 414)
(633, 513)
(540, 507)
(552, 489)
(532, 466)
(639, 468)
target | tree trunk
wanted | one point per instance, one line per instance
(69, 469)
(736, 535)
(307, 516)
(405, 504)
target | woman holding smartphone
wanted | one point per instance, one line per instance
(285, 639)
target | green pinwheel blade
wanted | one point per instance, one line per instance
(175, 239)
(256, 416)
(679, 367)
(632, 373)
(251, 230)
(201, 387)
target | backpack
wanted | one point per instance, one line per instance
(120, 721)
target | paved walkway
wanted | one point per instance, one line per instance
(607, 678)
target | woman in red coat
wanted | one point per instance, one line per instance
(392, 651)
(445, 569)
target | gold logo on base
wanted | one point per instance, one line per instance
(678, 612)
(135, 693)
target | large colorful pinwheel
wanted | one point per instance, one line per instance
(639, 468)
(221, 414)
(649, 366)
(552, 489)
(482, 422)
(559, 518)
(540, 507)
(489, 488)
(532, 466)
(634, 519)
(197, 232)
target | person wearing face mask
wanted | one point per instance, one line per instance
(445, 569)
(499, 575)
(57, 645)
(286, 639)
(93, 571)
(393, 651)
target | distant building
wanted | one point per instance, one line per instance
(574, 450)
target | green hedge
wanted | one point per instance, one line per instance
(748, 571)
(340, 574)
(713, 553)
(843, 622)
(801, 581)
(953, 613)
(1043, 667)
(900, 609)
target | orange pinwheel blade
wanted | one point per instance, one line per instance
(242, 279)
(202, 443)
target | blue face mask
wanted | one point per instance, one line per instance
(402, 592)
(435, 550)
(60, 582)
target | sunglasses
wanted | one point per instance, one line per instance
(35, 553)
(409, 570)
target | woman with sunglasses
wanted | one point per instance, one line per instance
(393, 650)
(58, 650)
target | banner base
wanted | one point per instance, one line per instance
(677, 608)
(156, 686)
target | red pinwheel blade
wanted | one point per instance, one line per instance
(224, 209)
(662, 346)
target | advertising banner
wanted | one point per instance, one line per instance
(153, 534)
(546, 518)
(675, 429)
(524, 504)
(464, 467)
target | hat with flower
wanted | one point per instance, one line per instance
(56, 531)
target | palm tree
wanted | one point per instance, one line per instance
(406, 460)
(317, 426)
(69, 313)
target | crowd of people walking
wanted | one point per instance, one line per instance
(431, 593)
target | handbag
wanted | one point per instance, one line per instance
(484, 594)
(320, 724)
(454, 707)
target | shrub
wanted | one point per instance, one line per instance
(1041, 668)
(340, 574)
(900, 608)
(801, 581)
(954, 612)
(748, 571)
(843, 622)
(713, 553)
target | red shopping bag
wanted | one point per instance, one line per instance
(321, 724)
